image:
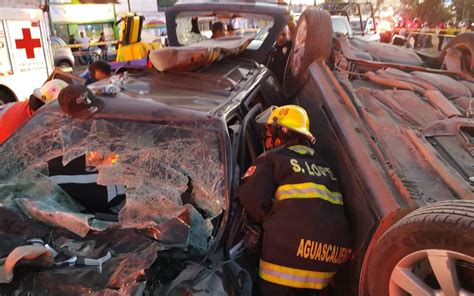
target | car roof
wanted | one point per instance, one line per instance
(205, 91)
(123, 108)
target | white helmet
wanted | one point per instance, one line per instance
(50, 90)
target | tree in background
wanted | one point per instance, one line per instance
(463, 9)
(431, 11)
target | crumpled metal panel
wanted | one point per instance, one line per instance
(45, 202)
(388, 53)
(408, 106)
(447, 85)
(197, 279)
(132, 253)
(450, 87)
(410, 172)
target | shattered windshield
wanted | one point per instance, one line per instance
(194, 27)
(170, 175)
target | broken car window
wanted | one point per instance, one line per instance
(172, 175)
(193, 27)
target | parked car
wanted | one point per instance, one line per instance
(400, 135)
(341, 25)
(62, 55)
(360, 17)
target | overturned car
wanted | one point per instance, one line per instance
(171, 147)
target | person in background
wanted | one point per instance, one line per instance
(424, 39)
(195, 34)
(450, 32)
(72, 41)
(464, 26)
(98, 70)
(232, 26)
(13, 115)
(74, 50)
(195, 26)
(413, 30)
(279, 54)
(442, 30)
(292, 26)
(231, 31)
(103, 46)
(218, 30)
(84, 41)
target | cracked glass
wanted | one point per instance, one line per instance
(172, 175)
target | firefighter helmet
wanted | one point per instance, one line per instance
(292, 117)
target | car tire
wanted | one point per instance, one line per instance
(465, 43)
(312, 42)
(6, 96)
(428, 250)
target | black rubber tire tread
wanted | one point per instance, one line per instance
(465, 42)
(317, 46)
(445, 225)
(318, 37)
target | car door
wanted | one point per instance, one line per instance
(247, 145)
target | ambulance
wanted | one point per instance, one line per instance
(25, 53)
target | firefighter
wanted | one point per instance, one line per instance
(296, 196)
(279, 54)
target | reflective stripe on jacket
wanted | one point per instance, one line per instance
(308, 190)
(293, 277)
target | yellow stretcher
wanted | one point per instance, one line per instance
(130, 46)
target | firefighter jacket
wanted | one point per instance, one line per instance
(296, 196)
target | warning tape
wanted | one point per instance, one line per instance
(90, 53)
(80, 45)
(431, 32)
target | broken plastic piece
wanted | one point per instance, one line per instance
(39, 242)
(172, 233)
(38, 255)
(51, 212)
(94, 262)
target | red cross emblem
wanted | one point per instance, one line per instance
(28, 44)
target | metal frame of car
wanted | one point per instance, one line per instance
(372, 202)
(279, 13)
(343, 8)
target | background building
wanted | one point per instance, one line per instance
(69, 17)
(154, 13)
